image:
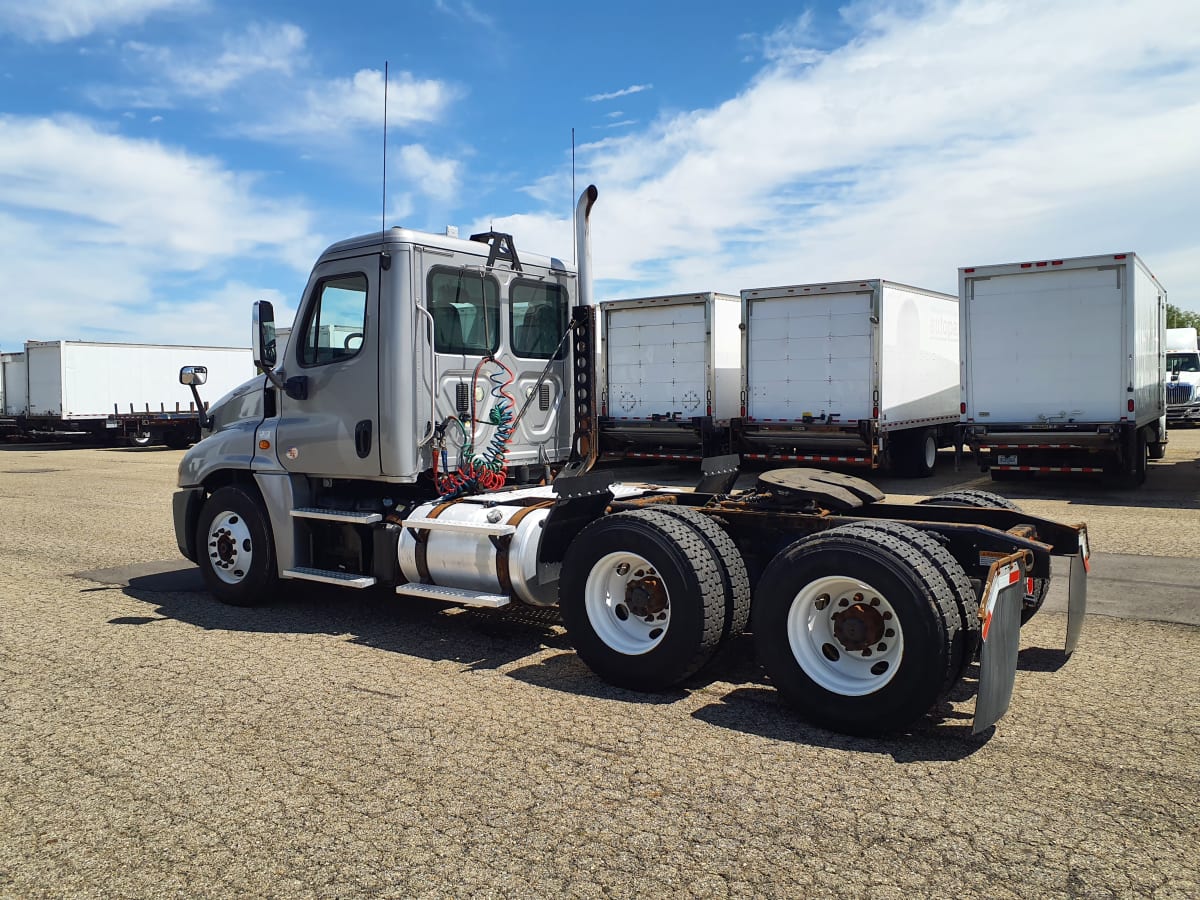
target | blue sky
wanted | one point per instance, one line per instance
(165, 162)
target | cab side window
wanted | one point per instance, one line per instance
(336, 321)
(466, 311)
(539, 318)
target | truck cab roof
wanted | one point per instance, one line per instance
(397, 237)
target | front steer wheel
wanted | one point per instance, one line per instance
(643, 599)
(858, 630)
(234, 548)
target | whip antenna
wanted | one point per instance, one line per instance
(383, 205)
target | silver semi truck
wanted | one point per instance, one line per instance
(410, 454)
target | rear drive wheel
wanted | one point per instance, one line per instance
(1035, 588)
(642, 598)
(857, 630)
(140, 439)
(734, 576)
(955, 578)
(1157, 450)
(235, 549)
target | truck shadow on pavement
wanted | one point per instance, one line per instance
(517, 640)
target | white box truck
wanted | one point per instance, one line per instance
(854, 373)
(82, 390)
(1183, 376)
(671, 375)
(1063, 366)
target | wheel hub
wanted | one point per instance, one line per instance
(858, 626)
(646, 597)
(226, 547)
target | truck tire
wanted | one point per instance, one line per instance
(955, 577)
(857, 629)
(1157, 450)
(642, 598)
(916, 453)
(734, 576)
(177, 439)
(235, 548)
(1036, 590)
(140, 439)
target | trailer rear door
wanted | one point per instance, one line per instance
(1045, 346)
(810, 355)
(657, 362)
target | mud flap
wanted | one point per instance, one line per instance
(1001, 635)
(1077, 597)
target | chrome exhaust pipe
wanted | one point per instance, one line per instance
(583, 244)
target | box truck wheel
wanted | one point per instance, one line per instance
(916, 452)
(1035, 587)
(235, 548)
(734, 577)
(642, 598)
(1131, 472)
(1157, 450)
(857, 629)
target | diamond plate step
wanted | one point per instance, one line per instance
(453, 595)
(330, 576)
(337, 515)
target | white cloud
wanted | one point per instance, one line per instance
(64, 20)
(465, 11)
(260, 48)
(99, 237)
(433, 177)
(623, 92)
(327, 109)
(960, 133)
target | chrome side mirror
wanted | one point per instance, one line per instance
(263, 336)
(193, 375)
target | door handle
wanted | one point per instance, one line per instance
(362, 438)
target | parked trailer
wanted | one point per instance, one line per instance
(1063, 366)
(858, 373)
(14, 392)
(1183, 376)
(88, 391)
(670, 375)
(865, 614)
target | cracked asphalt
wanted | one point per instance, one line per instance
(154, 743)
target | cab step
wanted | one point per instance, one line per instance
(453, 595)
(330, 576)
(337, 515)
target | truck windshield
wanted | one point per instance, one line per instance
(1183, 362)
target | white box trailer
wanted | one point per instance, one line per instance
(670, 375)
(14, 384)
(82, 389)
(1064, 366)
(853, 373)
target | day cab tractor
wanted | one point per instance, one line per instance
(432, 427)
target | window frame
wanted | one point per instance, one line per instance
(316, 296)
(564, 319)
(471, 274)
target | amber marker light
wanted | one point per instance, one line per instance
(264, 444)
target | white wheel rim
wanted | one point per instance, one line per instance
(930, 451)
(627, 603)
(230, 551)
(845, 635)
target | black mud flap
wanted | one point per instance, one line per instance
(1001, 634)
(1077, 597)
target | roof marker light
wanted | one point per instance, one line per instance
(1120, 256)
(1026, 265)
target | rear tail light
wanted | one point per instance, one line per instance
(962, 408)
(1129, 405)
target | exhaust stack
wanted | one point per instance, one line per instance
(583, 244)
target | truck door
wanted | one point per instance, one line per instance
(335, 350)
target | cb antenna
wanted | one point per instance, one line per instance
(574, 261)
(383, 203)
